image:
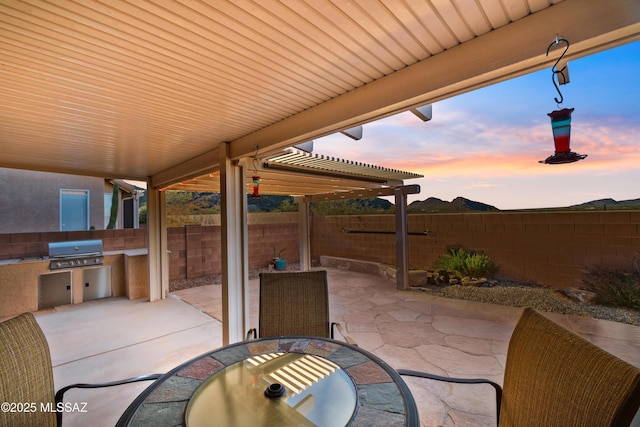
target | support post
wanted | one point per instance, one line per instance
(402, 245)
(235, 268)
(305, 237)
(157, 256)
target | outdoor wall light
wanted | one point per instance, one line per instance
(561, 119)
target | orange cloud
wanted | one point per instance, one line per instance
(518, 150)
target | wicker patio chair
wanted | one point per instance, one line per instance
(26, 375)
(553, 377)
(295, 303)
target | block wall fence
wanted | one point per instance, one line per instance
(31, 245)
(552, 249)
(549, 248)
(194, 249)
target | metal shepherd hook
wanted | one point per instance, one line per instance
(556, 71)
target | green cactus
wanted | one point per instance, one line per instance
(114, 207)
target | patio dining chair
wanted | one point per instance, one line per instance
(26, 376)
(295, 303)
(553, 377)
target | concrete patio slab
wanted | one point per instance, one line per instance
(115, 338)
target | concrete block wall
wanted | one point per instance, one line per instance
(201, 254)
(195, 250)
(341, 236)
(31, 245)
(550, 248)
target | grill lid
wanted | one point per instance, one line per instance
(75, 248)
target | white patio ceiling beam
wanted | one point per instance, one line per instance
(192, 168)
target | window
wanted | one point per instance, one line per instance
(74, 210)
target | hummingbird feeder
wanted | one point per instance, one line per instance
(255, 179)
(561, 119)
(256, 186)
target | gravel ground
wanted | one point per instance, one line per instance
(525, 295)
(180, 284)
(505, 292)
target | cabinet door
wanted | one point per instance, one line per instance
(54, 289)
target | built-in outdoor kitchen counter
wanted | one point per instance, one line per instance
(29, 284)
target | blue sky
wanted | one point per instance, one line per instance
(485, 145)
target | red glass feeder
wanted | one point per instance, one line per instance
(561, 127)
(256, 186)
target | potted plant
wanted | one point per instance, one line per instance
(279, 263)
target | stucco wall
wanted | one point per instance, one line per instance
(552, 249)
(30, 200)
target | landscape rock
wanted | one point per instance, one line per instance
(579, 295)
(473, 281)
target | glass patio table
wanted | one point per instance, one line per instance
(297, 381)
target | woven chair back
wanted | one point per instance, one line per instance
(553, 377)
(26, 375)
(294, 303)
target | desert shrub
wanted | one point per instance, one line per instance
(464, 263)
(369, 206)
(142, 214)
(453, 261)
(614, 288)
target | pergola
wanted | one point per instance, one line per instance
(309, 177)
(174, 91)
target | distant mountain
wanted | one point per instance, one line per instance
(374, 203)
(269, 203)
(459, 204)
(203, 203)
(608, 204)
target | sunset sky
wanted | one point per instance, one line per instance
(485, 145)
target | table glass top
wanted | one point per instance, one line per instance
(316, 392)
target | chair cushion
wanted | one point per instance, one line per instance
(553, 377)
(26, 375)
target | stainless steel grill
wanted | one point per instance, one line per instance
(79, 253)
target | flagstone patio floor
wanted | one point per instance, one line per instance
(117, 338)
